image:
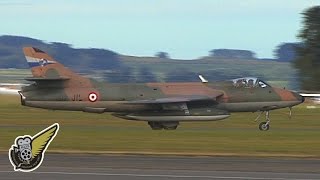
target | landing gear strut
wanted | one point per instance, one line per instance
(264, 126)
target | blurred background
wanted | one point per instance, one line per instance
(167, 41)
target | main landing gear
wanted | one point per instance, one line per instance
(264, 126)
(155, 125)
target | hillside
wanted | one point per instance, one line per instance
(114, 67)
(278, 73)
(11, 54)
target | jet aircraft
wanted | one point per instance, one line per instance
(162, 105)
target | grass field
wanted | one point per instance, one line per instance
(14, 75)
(238, 135)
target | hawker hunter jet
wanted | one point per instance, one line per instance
(162, 105)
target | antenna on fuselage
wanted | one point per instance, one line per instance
(203, 80)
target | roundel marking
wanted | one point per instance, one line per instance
(93, 97)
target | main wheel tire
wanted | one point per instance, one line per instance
(155, 125)
(264, 126)
(170, 127)
(156, 128)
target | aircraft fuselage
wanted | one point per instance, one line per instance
(115, 97)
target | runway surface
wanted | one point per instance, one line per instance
(124, 167)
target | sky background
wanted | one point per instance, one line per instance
(186, 29)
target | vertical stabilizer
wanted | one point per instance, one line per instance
(44, 66)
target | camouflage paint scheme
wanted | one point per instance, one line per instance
(163, 105)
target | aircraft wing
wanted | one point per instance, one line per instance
(178, 99)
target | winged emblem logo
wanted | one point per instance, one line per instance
(27, 153)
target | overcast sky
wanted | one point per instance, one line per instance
(186, 29)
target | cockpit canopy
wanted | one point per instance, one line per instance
(249, 82)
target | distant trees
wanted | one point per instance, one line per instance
(163, 55)
(286, 52)
(181, 75)
(308, 60)
(232, 54)
(145, 75)
(121, 75)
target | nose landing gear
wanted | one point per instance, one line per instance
(264, 126)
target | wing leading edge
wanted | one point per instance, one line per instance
(177, 99)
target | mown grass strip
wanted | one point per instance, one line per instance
(238, 135)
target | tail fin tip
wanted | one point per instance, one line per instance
(36, 57)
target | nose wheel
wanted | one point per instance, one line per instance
(264, 126)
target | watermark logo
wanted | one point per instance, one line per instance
(27, 153)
